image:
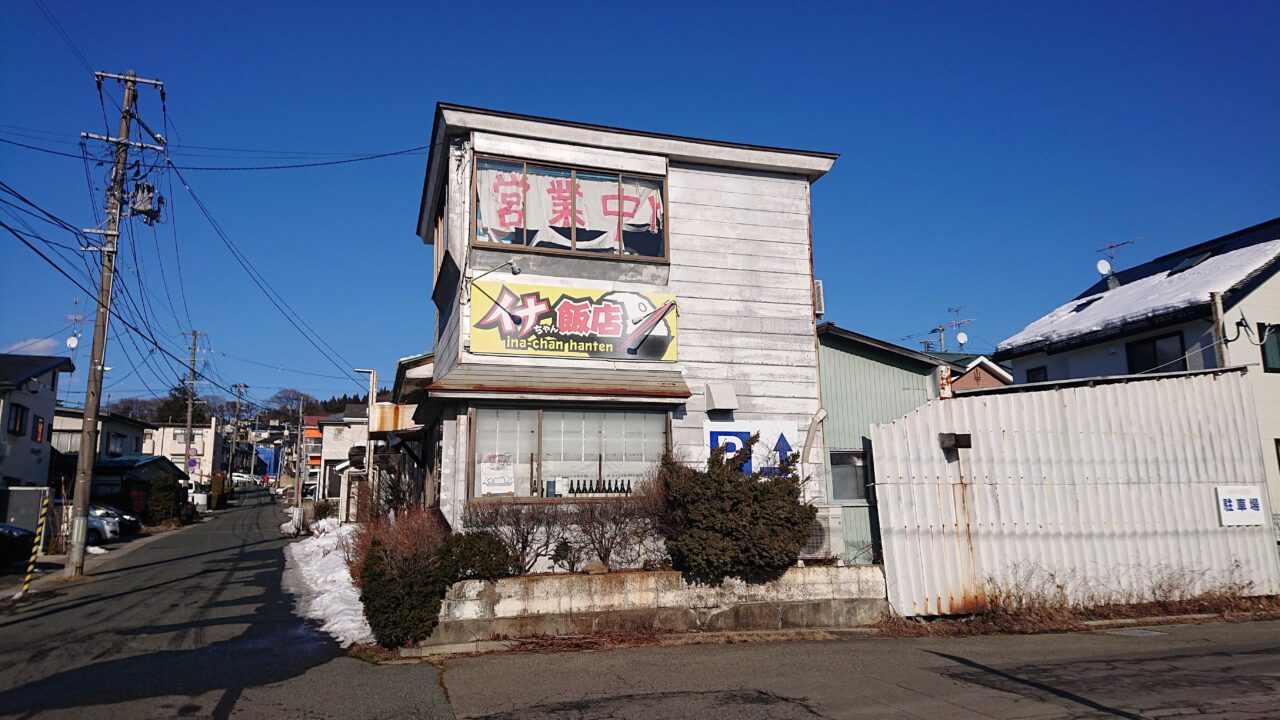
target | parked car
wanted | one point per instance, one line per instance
(129, 524)
(101, 528)
(15, 543)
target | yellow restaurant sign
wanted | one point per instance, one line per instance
(517, 319)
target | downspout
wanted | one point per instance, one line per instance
(1219, 338)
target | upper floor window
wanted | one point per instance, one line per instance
(115, 444)
(17, 418)
(1270, 337)
(1165, 353)
(39, 431)
(560, 209)
(1039, 373)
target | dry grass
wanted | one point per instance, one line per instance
(1045, 618)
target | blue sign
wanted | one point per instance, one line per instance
(192, 462)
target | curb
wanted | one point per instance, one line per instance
(478, 646)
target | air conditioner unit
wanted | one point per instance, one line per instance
(818, 545)
(819, 304)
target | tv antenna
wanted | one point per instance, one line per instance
(955, 325)
(1112, 250)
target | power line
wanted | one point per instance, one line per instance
(272, 296)
(63, 34)
(363, 158)
(112, 311)
(278, 367)
(33, 341)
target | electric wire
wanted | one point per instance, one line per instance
(272, 296)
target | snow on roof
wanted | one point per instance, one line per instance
(1146, 297)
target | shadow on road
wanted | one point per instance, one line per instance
(275, 645)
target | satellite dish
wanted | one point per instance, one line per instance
(962, 337)
(72, 342)
(1104, 267)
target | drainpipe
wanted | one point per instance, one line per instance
(818, 417)
(1219, 339)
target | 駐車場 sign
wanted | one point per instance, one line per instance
(516, 319)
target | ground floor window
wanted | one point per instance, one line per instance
(848, 475)
(565, 453)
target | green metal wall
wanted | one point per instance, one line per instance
(862, 385)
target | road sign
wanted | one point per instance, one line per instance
(192, 462)
(192, 452)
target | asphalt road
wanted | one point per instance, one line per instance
(193, 624)
(1219, 671)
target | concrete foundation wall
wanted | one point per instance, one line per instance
(571, 604)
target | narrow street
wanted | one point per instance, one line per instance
(194, 624)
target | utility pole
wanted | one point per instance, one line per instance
(191, 404)
(235, 433)
(303, 465)
(93, 392)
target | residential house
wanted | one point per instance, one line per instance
(340, 434)
(208, 448)
(28, 393)
(118, 434)
(1212, 305)
(975, 372)
(865, 382)
(605, 295)
(312, 443)
(125, 480)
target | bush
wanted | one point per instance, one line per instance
(165, 500)
(475, 555)
(529, 531)
(188, 514)
(401, 602)
(617, 531)
(404, 541)
(723, 523)
(322, 509)
(568, 555)
(405, 569)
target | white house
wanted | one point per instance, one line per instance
(605, 294)
(208, 447)
(118, 434)
(340, 433)
(1211, 305)
(28, 396)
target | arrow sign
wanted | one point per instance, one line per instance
(782, 447)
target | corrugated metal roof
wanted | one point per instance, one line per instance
(473, 379)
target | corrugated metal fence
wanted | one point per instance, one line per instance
(1088, 491)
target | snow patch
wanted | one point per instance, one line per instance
(95, 550)
(316, 572)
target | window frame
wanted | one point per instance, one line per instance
(472, 498)
(39, 429)
(472, 242)
(1262, 347)
(865, 500)
(19, 413)
(1182, 353)
(1043, 368)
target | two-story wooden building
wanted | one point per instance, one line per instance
(603, 295)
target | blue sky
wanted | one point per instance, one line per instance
(988, 149)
